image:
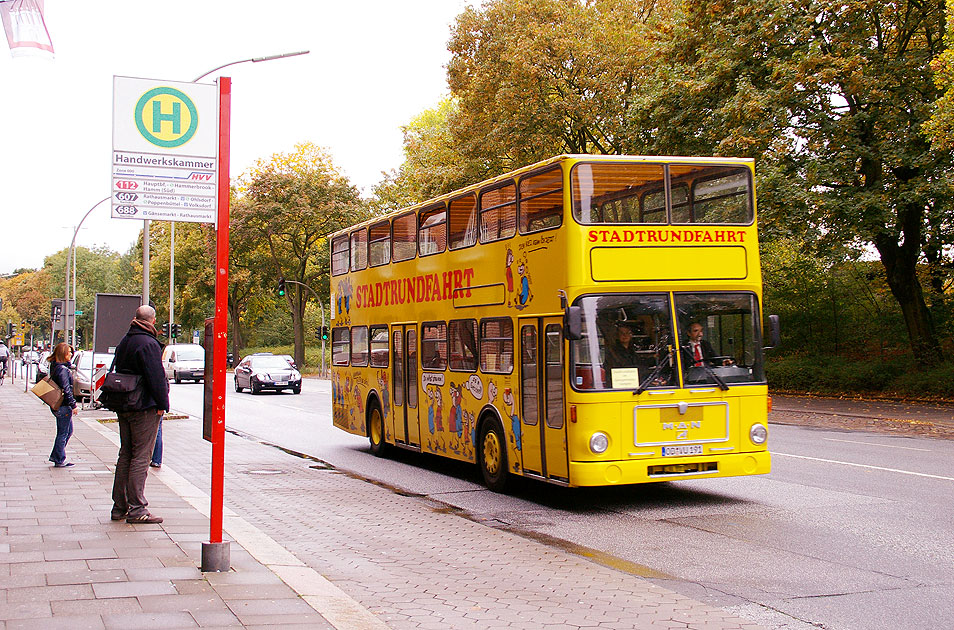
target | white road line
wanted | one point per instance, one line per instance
(835, 461)
(907, 448)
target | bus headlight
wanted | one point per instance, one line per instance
(758, 434)
(599, 442)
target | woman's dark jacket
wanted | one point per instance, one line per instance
(140, 353)
(61, 375)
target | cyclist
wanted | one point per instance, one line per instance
(4, 356)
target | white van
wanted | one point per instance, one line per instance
(184, 361)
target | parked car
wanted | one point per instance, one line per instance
(85, 366)
(258, 372)
(184, 361)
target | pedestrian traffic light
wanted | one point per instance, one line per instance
(281, 286)
(165, 329)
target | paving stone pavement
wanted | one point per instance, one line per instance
(359, 555)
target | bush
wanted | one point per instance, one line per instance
(831, 375)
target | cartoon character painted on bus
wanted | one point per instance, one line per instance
(456, 420)
(509, 267)
(435, 420)
(511, 403)
(523, 298)
(343, 298)
(385, 395)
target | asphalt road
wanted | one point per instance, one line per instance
(852, 530)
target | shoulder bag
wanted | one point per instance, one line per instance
(121, 392)
(49, 392)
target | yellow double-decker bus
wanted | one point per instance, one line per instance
(587, 320)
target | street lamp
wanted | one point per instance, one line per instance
(172, 238)
(70, 317)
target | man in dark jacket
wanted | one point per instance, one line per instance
(140, 353)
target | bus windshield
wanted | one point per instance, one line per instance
(629, 341)
(635, 192)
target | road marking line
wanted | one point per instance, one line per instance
(336, 606)
(907, 448)
(894, 470)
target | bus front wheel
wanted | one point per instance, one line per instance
(493, 456)
(376, 431)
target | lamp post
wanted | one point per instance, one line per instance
(172, 237)
(70, 318)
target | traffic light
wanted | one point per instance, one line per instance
(9, 329)
(176, 329)
(281, 286)
(324, 333)
(317, 333)
(165, 329)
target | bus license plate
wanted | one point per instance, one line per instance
(688, 449)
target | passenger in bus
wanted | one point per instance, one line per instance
(698, 351)
(622, 352)
(433, 359)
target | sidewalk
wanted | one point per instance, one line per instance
(312, 548)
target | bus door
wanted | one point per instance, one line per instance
(404, 385)
(543, 425)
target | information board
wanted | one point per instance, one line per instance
(165, 150)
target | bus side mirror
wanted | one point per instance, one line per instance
(573, 323)
(775, 332)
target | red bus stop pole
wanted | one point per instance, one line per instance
(215, 553)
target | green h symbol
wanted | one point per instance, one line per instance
(175, 117)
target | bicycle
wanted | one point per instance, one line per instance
(3, 370)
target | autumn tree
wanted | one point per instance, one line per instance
(289, 204)
(536, 78)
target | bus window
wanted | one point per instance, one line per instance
(340, 346)
(434, 345)
(339, 255)
(615, 193)
(528, 373)
(463, 221)
(432, 235)
(411, 345)
(397, 379)
(462, 339)
(404, 237)
(380, 244)
(627, 343)
(359, 250)
(498, 213)
(554, 376)
(679, 193)
(653, 207)
(379, 346)
(719, 194)
(359, 346)
(496, 345)
(541, 201)
(718, 337)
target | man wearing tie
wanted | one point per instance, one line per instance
(698, 352)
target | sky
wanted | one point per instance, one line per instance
(373, 66)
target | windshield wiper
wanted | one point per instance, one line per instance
(652, 376)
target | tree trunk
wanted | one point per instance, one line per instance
(237, 336)
(900, 265)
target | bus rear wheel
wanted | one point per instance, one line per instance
(492, 456)
(376, 431)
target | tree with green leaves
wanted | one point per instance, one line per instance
(536, 78)
(289, 204)
(853, 81)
